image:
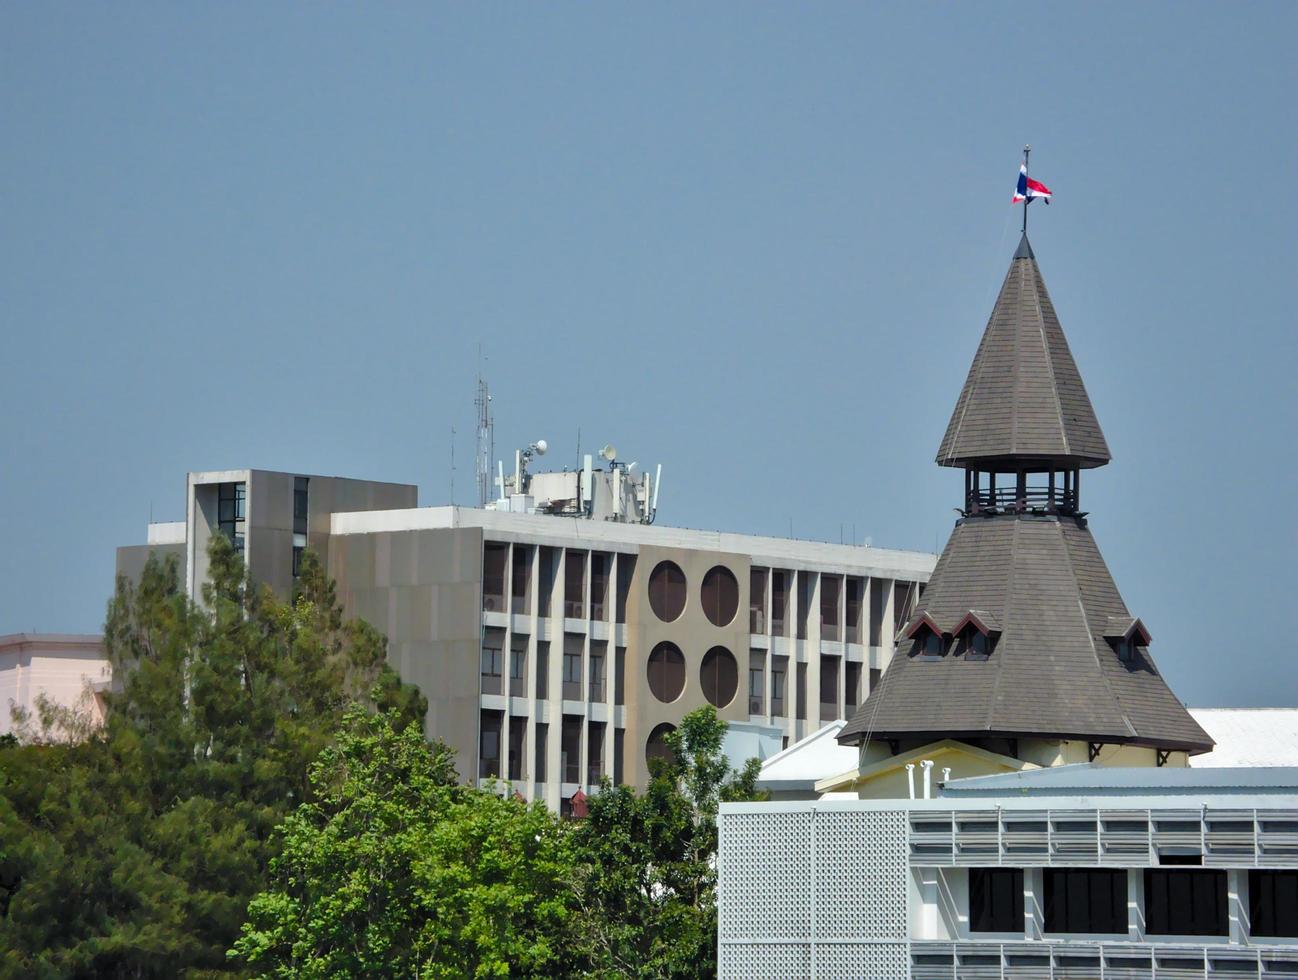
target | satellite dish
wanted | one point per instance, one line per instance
(541, 447)
(609, 452)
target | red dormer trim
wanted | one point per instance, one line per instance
(984, 622)
(919, 620)
(1125, 627)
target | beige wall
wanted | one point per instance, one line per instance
(132, 559)
(422, 589)
(693, 634)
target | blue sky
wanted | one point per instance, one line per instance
(755, 242)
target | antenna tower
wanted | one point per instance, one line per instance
(486, 429)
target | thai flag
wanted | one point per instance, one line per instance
(1029, 188)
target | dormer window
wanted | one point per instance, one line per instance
(930, 644)
(977, 633)
(1126, 634)
(975, 644)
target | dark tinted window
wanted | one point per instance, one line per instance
(493, 576)
(656, 746)
(666, 672)
(757, 600)
(1085, 900)
(667, 591)
(720, 596)
(996, 900)
(1185, 902)
(1273, 903)
(719, 676)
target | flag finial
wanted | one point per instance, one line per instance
(1028, 188)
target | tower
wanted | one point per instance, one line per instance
(1022, 647)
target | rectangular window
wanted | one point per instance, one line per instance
(520, 566)
(828, 688)
(756, 681)
(806, 584)
(517, 746)
(518, 665)
(1185, 902)
(779, 674)
(619, 676)
(595, 753)
(851, 688)
(878, 604)
(903, 604)
(574, 584)
(619, 745)
(232, 512)
(542, 731)
(542, 669)
(876, 675)
(489, 743)
(545, 562)
(1273, 903)
(600, 564)
(757, 601)
(830, 586)
(1090, 900)
(780, 603)
(493, 659)
(570, 749)
(572, 667)
(598, 658)
(801, 693)
(494, 555)
(299, 522)
(855, 595)
(996, 900)
(625, 572)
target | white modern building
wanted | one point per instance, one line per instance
(1077, 871)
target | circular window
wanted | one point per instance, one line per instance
(719, 676)
(720, 596)
(667, 591)
(656, 747)
(666, 671)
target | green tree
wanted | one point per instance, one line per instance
(394, 871)
(647, 862)
(134, 852)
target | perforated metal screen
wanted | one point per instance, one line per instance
(813, 893)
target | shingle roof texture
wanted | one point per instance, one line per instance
(1024, 396)
(1051, 672)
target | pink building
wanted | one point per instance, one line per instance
(59, 665)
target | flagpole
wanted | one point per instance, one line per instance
(1027, 150)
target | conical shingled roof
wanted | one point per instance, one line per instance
(1039, 580)
(1024, 398)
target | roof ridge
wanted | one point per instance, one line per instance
(1008, 618)
(1050, 361)
(1090, 632)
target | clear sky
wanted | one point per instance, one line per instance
(755, 242)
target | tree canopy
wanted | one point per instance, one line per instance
(135, 851)
(261, 800)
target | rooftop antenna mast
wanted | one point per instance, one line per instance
(486, 433)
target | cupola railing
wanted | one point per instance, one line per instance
(988, 493)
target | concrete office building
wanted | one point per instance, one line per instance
(557, 633)
(1079, 871)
